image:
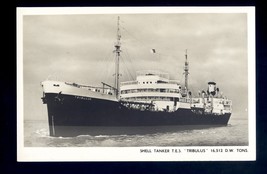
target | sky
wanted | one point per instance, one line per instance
(79, 48)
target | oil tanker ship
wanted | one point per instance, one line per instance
(152, 99)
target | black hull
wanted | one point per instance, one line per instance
(70, 115)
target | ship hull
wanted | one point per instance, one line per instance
(70, 115)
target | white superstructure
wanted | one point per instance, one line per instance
(152, 87)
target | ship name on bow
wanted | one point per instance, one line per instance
(82, 98)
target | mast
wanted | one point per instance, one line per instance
(186, 71)
(117, 59)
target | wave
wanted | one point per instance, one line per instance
(42, 132)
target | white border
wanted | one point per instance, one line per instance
(133, 153)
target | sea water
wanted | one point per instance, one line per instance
(36, 134)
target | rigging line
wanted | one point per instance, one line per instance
(134, 37)
(104, 66)
(130, 62)
(107, 51)
(130, 57)
(105, 72)
(110, 72)
(128, 72)
(104, 69)
(142, 43)
(146, 46)
(108, 66)
(102, 62)
(125, 69)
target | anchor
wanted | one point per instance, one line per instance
(59, 97)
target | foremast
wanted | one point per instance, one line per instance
(117, 51)
(186, 71)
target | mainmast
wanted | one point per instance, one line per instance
(117, 59)
(186, 71)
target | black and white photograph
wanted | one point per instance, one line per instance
(136, 84)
